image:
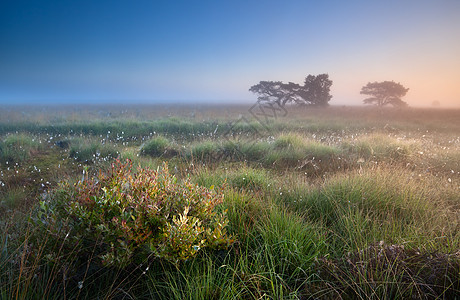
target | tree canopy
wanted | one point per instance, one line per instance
(383, 93)
(315, 91)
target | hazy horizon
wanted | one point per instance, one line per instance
(180, 52)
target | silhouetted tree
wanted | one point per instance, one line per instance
(315, 91)
(272, 91)
(383, 93)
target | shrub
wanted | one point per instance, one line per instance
(120, 216)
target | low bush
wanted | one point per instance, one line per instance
(120, 217)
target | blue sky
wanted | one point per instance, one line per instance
(213, 51)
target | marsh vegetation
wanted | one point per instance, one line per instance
(186, 202)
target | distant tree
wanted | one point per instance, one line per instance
(272, 91)
(383, 93)
(315, 91)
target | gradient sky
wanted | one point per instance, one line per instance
(213, 51)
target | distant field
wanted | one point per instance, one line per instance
(351, 202)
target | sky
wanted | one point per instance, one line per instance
(214, 51)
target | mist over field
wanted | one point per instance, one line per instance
(229, 201)
(115, 52)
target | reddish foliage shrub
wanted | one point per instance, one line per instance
(120, 215)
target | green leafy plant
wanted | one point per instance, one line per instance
(120, 216)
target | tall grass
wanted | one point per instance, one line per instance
(384, 203)
(272, 259)
(326, 203)
(17, 148)
(91, 151)
(244, 178)
(382, 147)
(159, 147)
(295, 150)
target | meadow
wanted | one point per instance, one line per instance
(311, 203)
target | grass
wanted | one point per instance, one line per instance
(13, 198)
(16, 148)
(382, 147)
(204, 151)
(323, 203)
(244, 178)
(158, 147)
(91, 151)
(295, 150)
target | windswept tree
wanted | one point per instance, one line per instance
(315, 91)
(383, 93)
(272, 91)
